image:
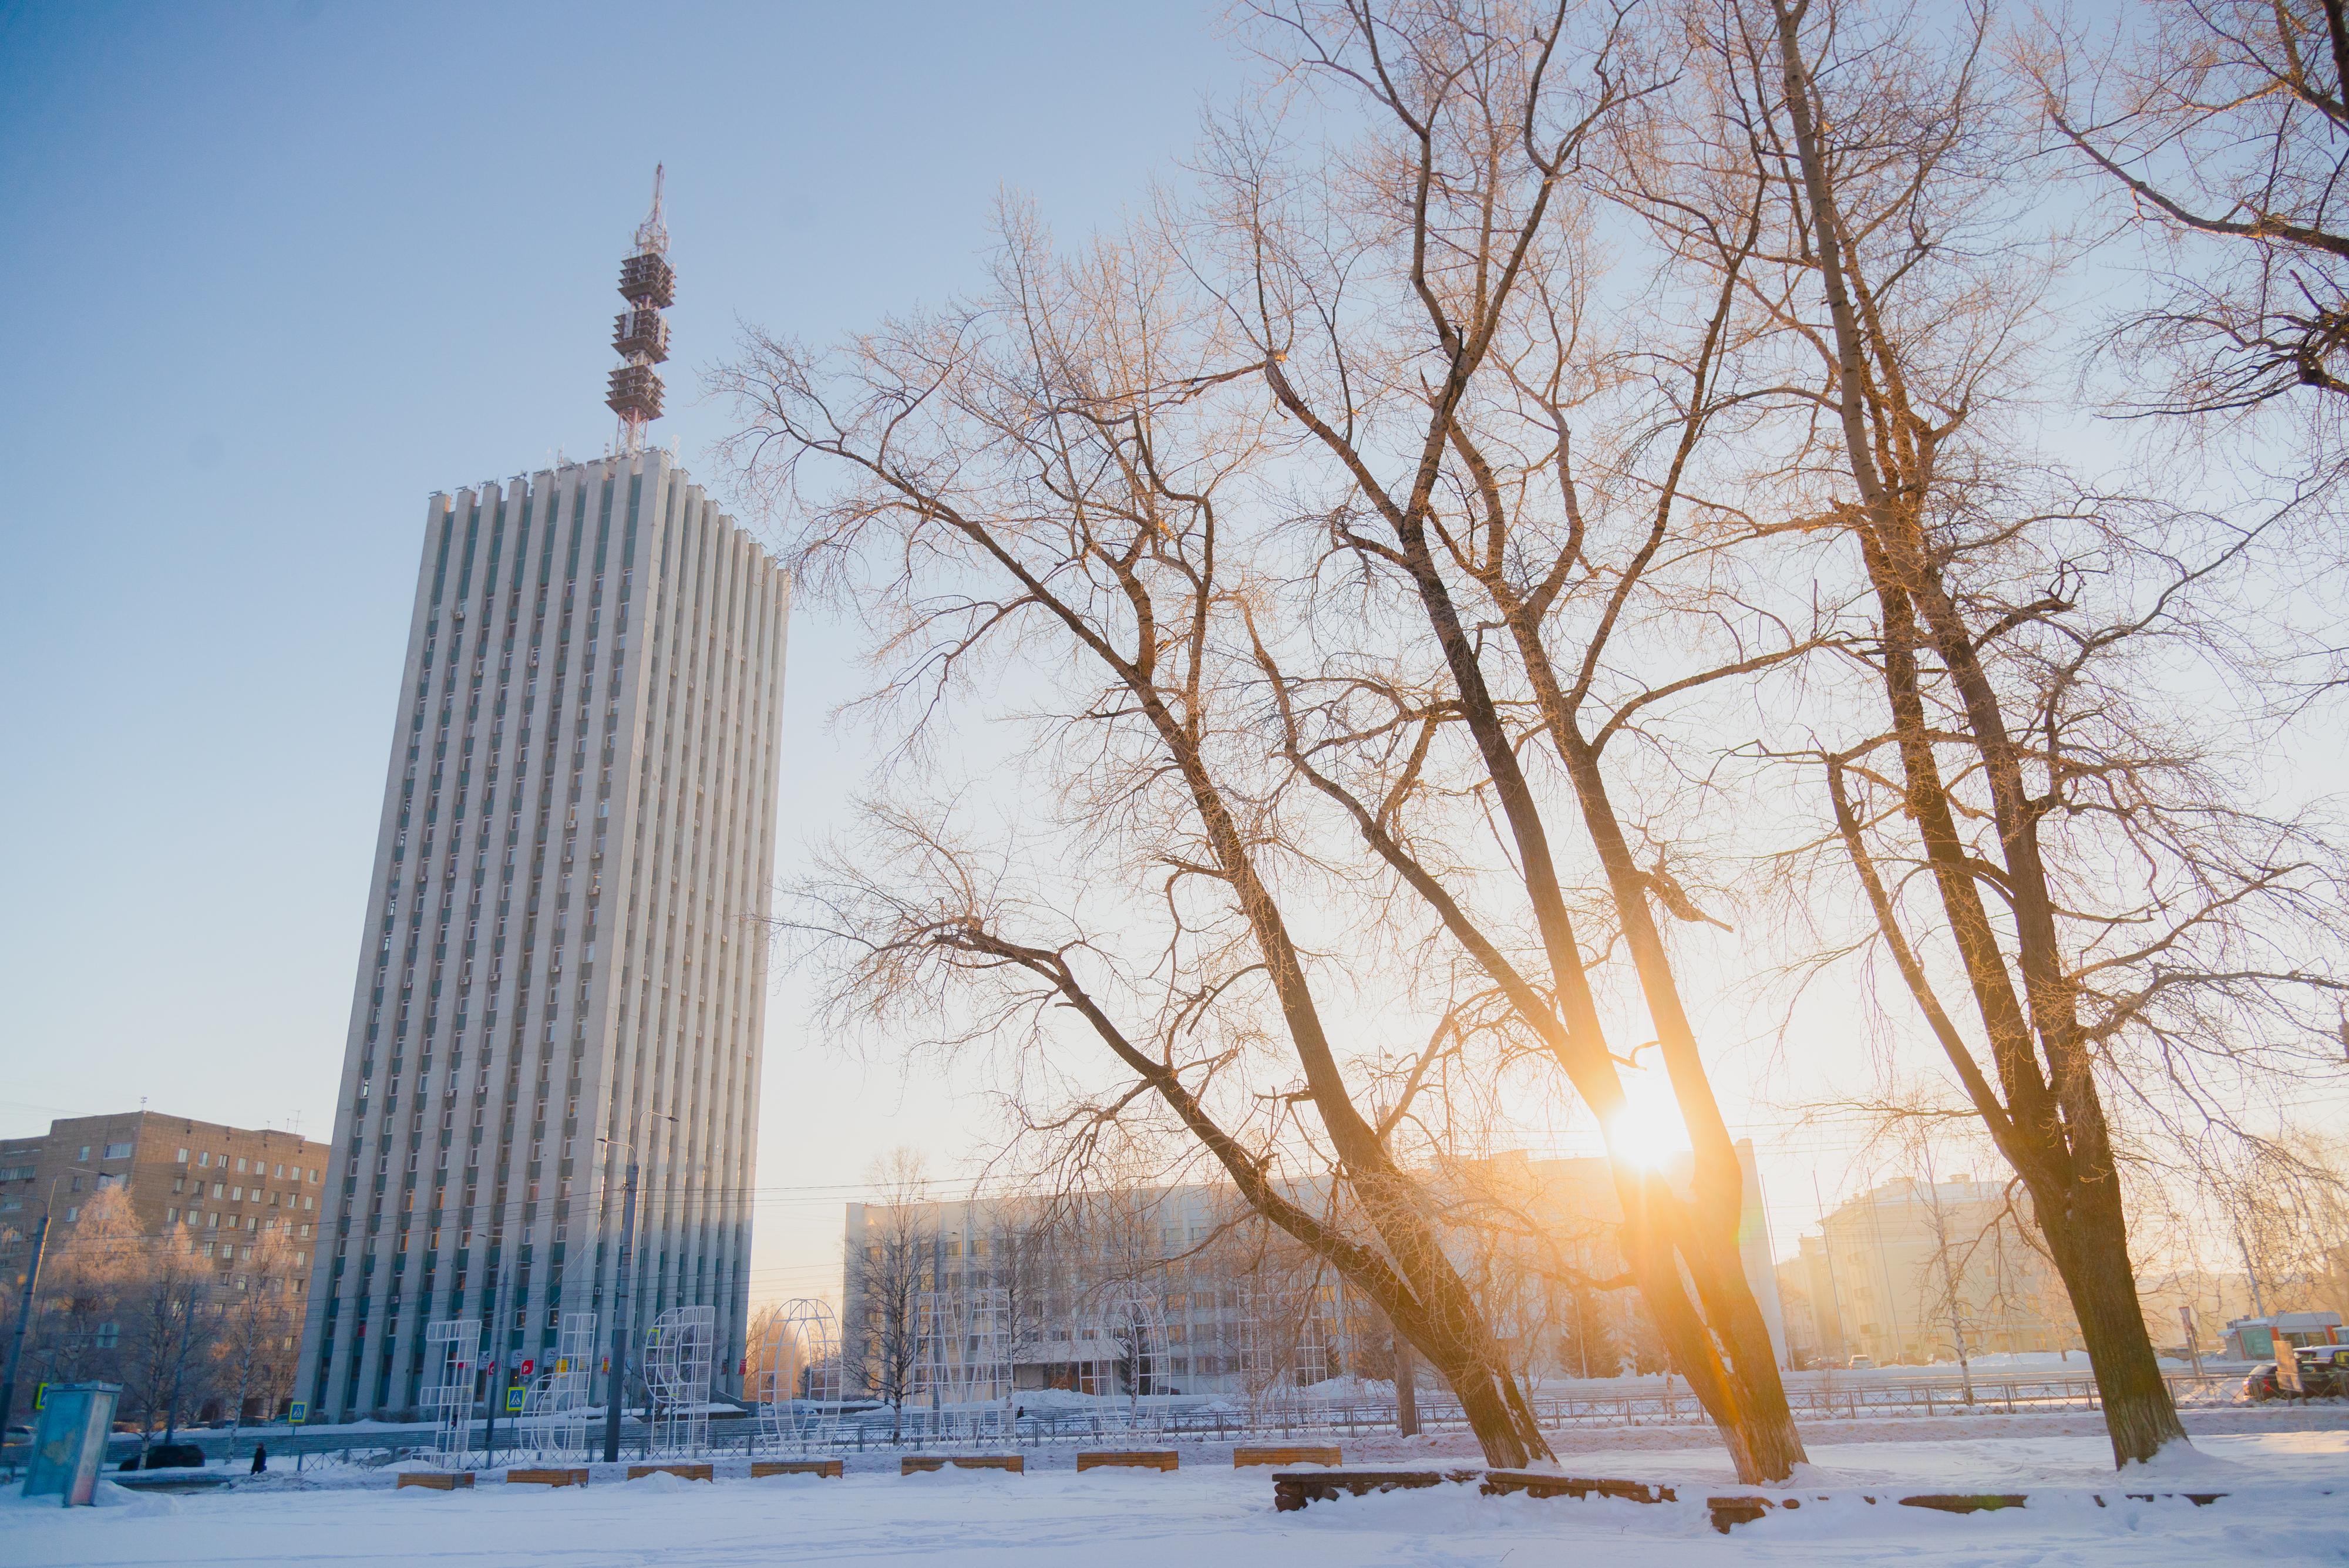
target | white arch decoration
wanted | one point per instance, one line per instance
(962, 1368)
(798, 1386)
(1130, 1330)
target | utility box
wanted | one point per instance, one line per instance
(69, 1446)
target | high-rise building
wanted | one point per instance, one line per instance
(563, 952)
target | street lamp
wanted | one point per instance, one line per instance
(616, 1384)
(24, 1304)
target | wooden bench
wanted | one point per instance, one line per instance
(762, 1468)
(702, 1472)
(1292, 1489)
(913, 1464)
(1135, 1458)
(1305, 1456)
(548, 1477)
(437, 1480)
(1548, 1483)
(1964, 1502)
(1733, 1511)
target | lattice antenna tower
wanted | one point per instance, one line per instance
(639, 333)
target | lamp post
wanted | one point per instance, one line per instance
(25, 1302)
(497, 1385)
(616, 1384)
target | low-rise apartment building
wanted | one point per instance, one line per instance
(219, 1188)
(1039, 1289)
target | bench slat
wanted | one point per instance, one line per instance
(1292, 1489)
(546, 1477)
(689, 1471)
(915, 1463)
(1160, 1459)
(1309, 1455)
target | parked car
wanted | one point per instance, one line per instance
(168, 1456)
(2323, 1372)
(1861, 1364)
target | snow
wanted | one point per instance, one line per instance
(2289, 1505)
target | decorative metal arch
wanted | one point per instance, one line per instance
(1130, 1327)
(797, 1389)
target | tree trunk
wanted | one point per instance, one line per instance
(1748, 1408)
(2051, 1124)
(1406, 1382)
(2090, 1247)
(1496, 1408)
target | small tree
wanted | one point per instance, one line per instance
(1587, 1345)
(89, 1288)
(173, 1335)
(1020, 1259)
(2284, 1204)
(259, 1322)
(889, 1266)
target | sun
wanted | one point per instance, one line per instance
(1647, 1134)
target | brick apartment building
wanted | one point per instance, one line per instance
(218, 1187)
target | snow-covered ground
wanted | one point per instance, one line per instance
(2289, 1503)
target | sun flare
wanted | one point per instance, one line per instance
(1648, 1135)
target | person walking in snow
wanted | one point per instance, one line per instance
(260, 1457)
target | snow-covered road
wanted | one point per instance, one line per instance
(1206, 1517)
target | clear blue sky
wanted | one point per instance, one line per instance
(277, 271)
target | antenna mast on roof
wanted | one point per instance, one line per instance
(639, 335)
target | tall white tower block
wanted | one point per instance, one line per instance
(564, 949)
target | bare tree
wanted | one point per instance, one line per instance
(1020, 1253)
(2040, 824)
(172, 1335)
(2284, 1202)
(1516, 478)
(1001, 468)
(889, 1266)
(260, 1326)
(90, 1287)
(2224, 126)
